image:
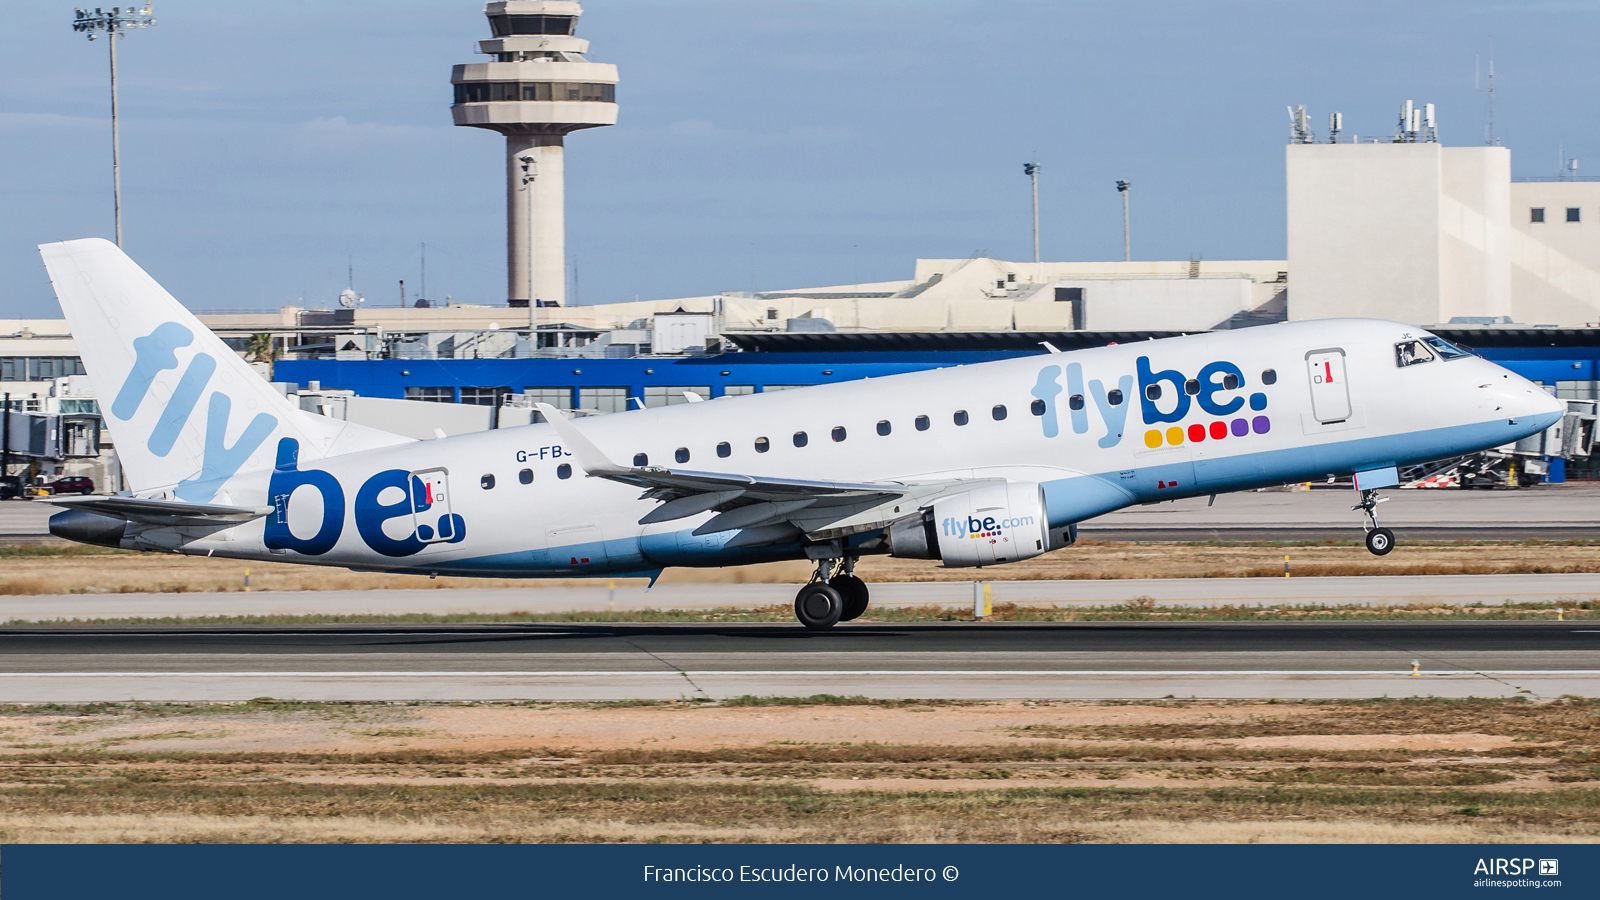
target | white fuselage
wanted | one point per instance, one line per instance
(514, 502)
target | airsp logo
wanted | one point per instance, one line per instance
(1502, 866)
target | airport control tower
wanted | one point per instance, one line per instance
(538, 89)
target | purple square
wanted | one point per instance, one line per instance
(1261, 424)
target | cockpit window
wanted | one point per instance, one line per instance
(1446, 350)
(1411, 353)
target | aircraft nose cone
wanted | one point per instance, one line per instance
(1533, 404)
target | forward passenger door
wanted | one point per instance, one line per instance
(1330, 395)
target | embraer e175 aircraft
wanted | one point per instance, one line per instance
(974, 465)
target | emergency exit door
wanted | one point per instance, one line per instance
(1330, 396)
(430, 506)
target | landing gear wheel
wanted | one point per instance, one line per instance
(818, 606)
(854, 592)
(1380, 541)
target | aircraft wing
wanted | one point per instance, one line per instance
(161, 512)
(763, 510)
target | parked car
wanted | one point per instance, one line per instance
(75, 484)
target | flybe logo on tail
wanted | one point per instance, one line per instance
(155, 353)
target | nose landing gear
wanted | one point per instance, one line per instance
(832, 596)
(1379, 540)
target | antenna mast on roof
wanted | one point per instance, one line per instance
(1300, 126)
(1489, 138)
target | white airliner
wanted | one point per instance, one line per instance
(973, 465)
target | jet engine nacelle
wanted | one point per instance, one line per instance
(988, 525)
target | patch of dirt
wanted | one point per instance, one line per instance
(1405, 771)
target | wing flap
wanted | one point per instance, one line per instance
(761, 509)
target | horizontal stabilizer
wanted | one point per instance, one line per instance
(161, 512)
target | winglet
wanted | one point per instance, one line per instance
(590, 458)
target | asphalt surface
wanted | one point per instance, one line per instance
(1551, 512)
(991, 660)
(631, 594)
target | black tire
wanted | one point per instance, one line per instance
(1380, 541)
(855, 594)
(818, 606)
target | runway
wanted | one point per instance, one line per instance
(1375, 590)
(1549, 512)
(954, 661)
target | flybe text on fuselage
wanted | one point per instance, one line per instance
(1218, 392)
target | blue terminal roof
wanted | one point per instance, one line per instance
(390, 377)
(782, 358)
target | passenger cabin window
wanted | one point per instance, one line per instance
(563, 471)
(724, 450)
(961, 417)
(681, 454)
(1153, 391)
(486, 482)
(640, 460)
(884, 428)
(800, 439)
(838, 433)
(1037, 407)
(525, 476)
(922, 423)
(1411, 353)
(1114, 398)
(1269, 376)
(1446, 350)
(763, 445)
(1573, 215)
(1192, 386)
(999, 411)
(1075, 401)
(1230, 382)
(1536, 215)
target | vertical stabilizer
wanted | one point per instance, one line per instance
(187, 413)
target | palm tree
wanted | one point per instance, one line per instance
(262, 348)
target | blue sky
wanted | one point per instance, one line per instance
(780, 144)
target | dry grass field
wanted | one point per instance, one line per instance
(66, 570)
(815, 770)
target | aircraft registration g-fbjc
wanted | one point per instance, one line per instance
(974, 465)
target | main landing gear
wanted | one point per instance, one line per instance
(1379, 540)
(833, 596)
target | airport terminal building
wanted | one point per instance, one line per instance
(1399, 228)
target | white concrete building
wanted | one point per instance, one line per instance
(1417, 232)
(1429, 234)
(1555, 251)
(539, 88)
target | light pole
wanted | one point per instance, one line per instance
(1127, 249)
(530, 174)
(113, 23)
(1032, 171)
